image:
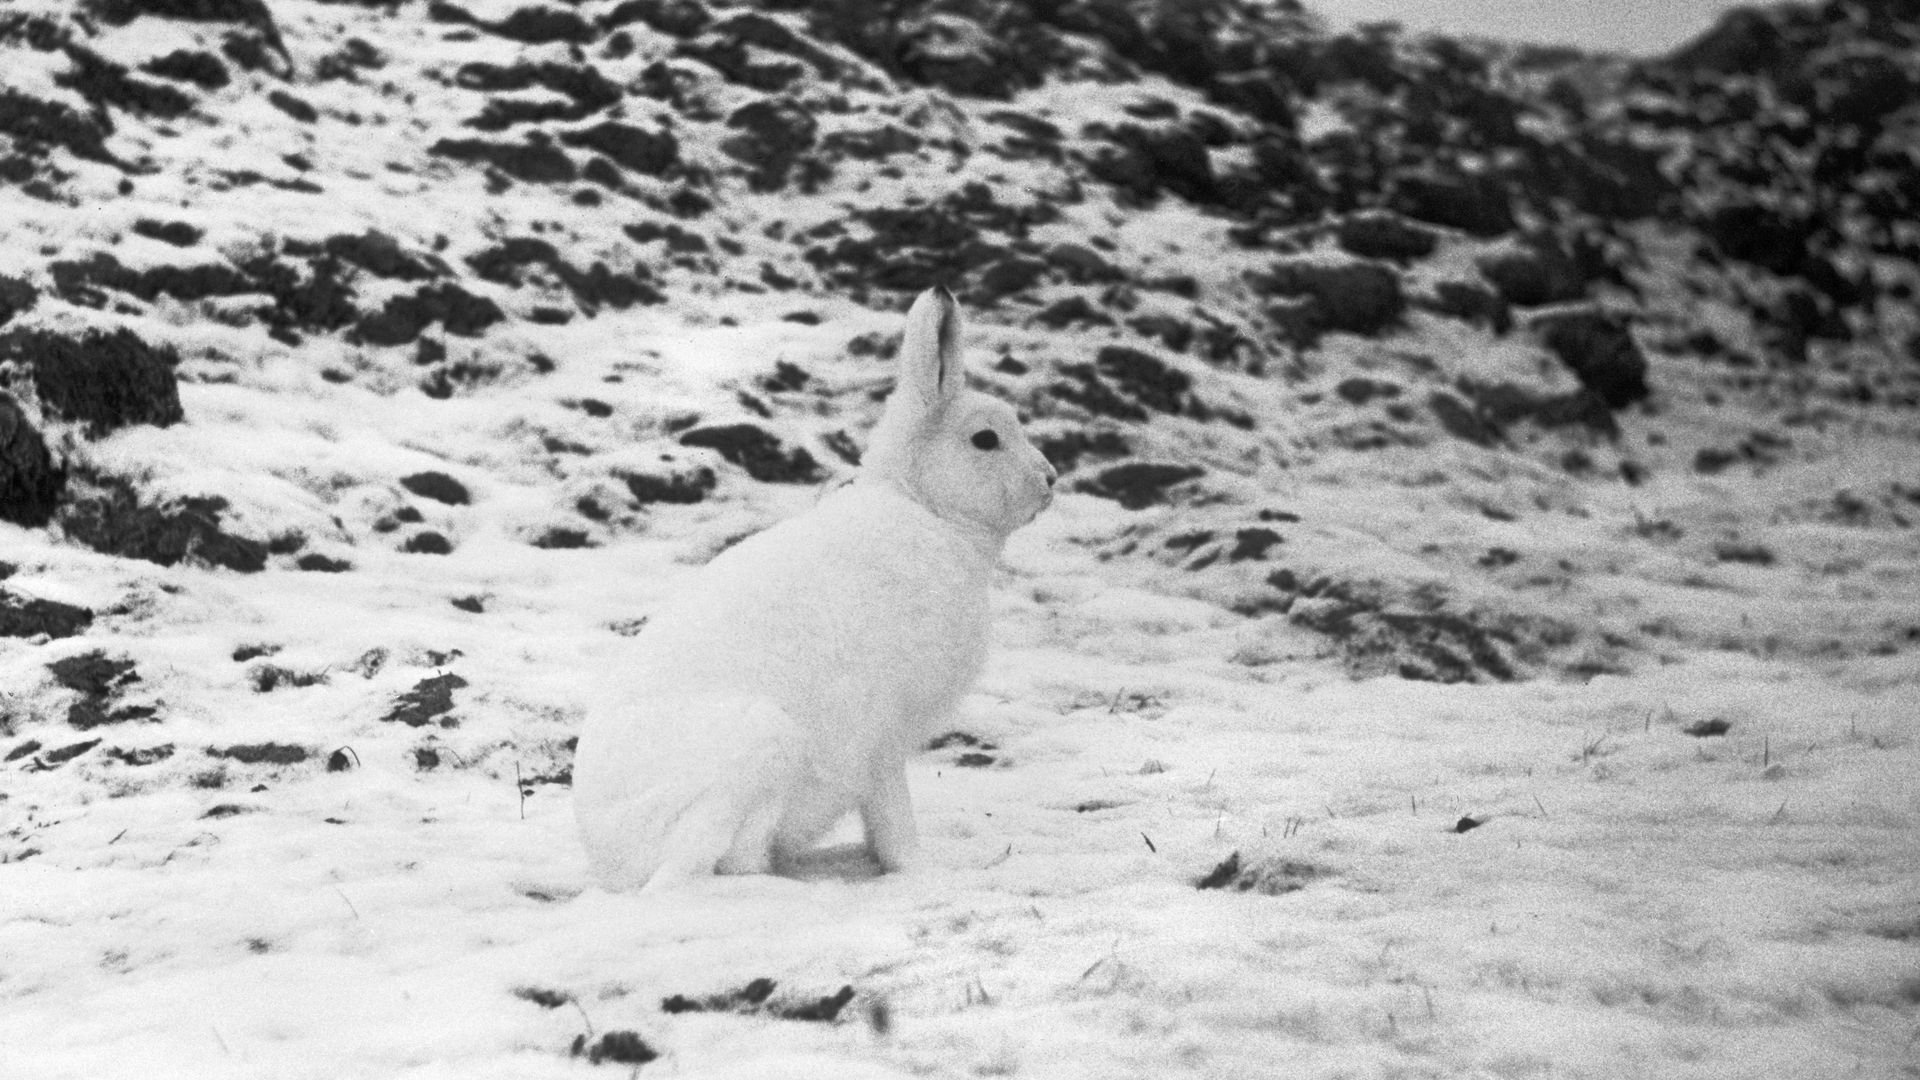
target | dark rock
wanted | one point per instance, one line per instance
(93, 673)
(619, 1047)
(254, 13)
(678, 18)
(1260, 94)
(1474, 203)
(1773, 238)
(40, 33)
(563, 539)
(67, 753)
(534, 162)
(1252, 543)
(105, 381)
(505, 263)
(376, 253)
(17, 297)
(874, 144)
(143, 755)
(1473, 303)
(733, 48)
(822, 1010)
(81, 281)
(1073, 310)
(30, 483)
(177, 233)
(588, 90)
(22, 616)
(1358, 390)
(1147, 160)
(105, 513)
(437, 486)
(1175, 334)
(1009, 276)
(773, 134)
(1138, 484)
(312, 296)
(34, 125)
(318, 563)
(1861, 88)
(404, 317)
(1380, 234)
(1533, 274)
(103, 82)
(960, 57)
(267, 753)
(1743, 42)
(253, 52)
(430, 697)
(427, 542)
(1499, 405)
(185, 65)
(647, 152)
(1600, 351)
(1082, 265)
(1356, 297)
(680, 487)
(1460, 420)
(758, 452)
(542, 25)
(678, 240)
(1145, 377)
(293, 106)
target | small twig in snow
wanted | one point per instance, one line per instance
(584, 1018)
(1149, 841)
(349, 903)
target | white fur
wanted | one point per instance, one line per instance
(786, 684)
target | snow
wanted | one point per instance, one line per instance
(1630, 900)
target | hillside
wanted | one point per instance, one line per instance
(1489, 476)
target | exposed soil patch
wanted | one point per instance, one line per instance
(757, 451)
(107, 514)
(105, 381)
(23, 616)
(430, 698)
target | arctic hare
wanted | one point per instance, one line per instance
(789, 680)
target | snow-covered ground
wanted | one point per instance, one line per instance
(1190, 825)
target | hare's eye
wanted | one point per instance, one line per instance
(986, 439)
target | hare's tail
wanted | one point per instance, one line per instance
(698, 789)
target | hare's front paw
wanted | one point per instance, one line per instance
(888, 817)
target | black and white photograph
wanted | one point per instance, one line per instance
(951, 539)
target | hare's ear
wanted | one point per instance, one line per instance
(931, 371)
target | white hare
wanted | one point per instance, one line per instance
(788, 681)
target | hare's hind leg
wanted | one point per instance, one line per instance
(697, 842)
(887, 814)
(752, 849)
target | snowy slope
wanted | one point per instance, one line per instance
(1476, 638)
